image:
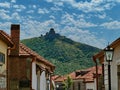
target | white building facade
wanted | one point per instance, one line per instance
(114, 64)
(41, 79)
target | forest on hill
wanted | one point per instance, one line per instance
(66, 54)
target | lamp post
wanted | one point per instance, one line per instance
(48, 84)
(57, 87)
(109, 56)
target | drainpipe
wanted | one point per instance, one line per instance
(96, 65)
(103, 85)
(7, 81)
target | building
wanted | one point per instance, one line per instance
(5, 42)
(25, 69)
(115, 66)
(82, 79)
(58, 80)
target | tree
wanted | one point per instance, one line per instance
(67, 83)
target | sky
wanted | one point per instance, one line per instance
(93, 22)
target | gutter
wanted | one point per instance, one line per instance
(96, 65)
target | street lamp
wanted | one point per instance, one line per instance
(48, 84)
(57, 87)
(109, 56)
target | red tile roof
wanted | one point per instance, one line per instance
(86, 74)
(72, 75)
(55, 77)
(6, 38)
(59, 78)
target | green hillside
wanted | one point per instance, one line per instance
(63, 52)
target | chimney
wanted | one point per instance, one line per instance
(15, 36)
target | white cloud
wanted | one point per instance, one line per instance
(13, 1)
(80, 16)
(85, 6)
(69, 20)
(4, 11)
(101, 16)
(56, 8)
(34, 6)
(49, 0)
(19, 8)
(111, 25)
(94, 5)
(58, 3)
(4, 16)
(5, 26)
(5, 5)
(16, 16)
(30, 11)
(43, 11)
(52, 17)
(113, 0)
(34, 28)
(83, 36)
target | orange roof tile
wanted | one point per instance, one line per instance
(72, 75)
(5, 37)
(86, 74)
(60, 79)
(54, 77)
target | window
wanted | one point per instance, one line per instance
(79, 86)
(2, 57)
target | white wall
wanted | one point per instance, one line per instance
(43, 81)
(34, 76)
(90, 86)
(114, 64)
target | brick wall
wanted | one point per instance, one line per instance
(15, 36)
(17, 71)
(17, 67)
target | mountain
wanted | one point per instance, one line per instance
(66, 54)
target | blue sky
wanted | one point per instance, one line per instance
(93, 22)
